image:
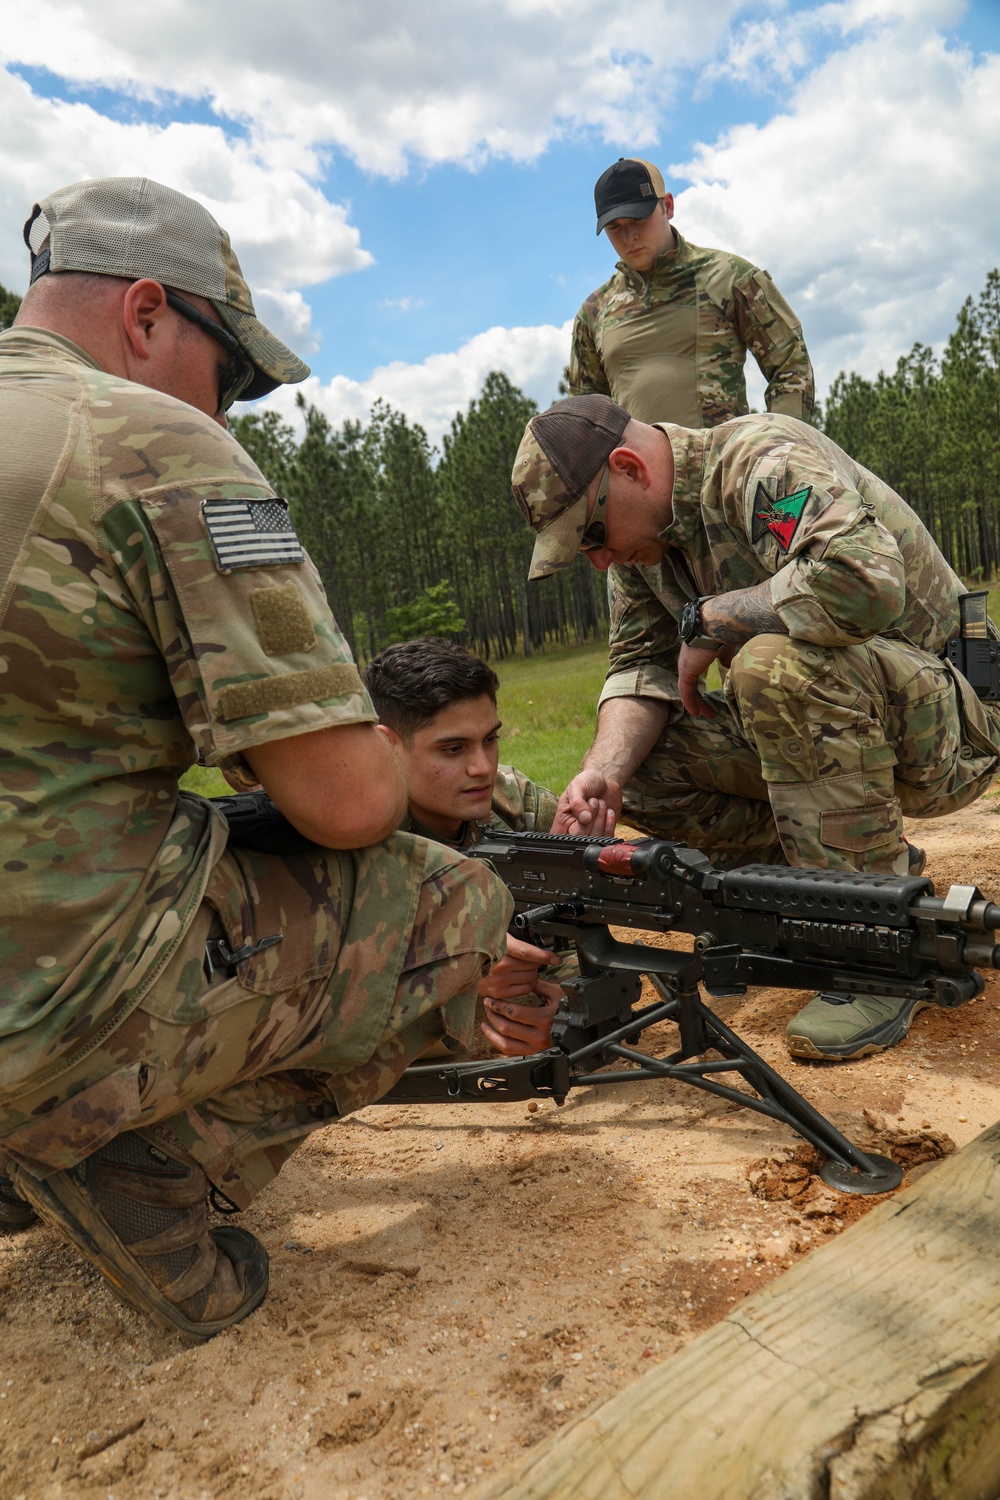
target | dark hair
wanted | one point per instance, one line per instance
(414, 680)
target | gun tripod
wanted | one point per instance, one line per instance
(598, 1025)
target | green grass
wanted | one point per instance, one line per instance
(548, 704)
(206, 782)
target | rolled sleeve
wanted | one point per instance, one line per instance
(644, 645)
(844, 592)
(253, 652)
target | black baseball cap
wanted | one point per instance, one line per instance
(628, 190)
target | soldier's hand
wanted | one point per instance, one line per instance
(516, 974)
(589, 798)
(691, 667)
(602, 820)
(518, 1030)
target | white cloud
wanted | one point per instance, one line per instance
(871, 197)
(432, 392)
(286, 232)
(435, 80)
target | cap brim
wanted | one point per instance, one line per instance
(558, 543)
(273, 361)
(640, 210)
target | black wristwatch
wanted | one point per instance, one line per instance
(690, 630)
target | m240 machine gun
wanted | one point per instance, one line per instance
(757, 925)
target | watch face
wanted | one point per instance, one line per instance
(689, 623)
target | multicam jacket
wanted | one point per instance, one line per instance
(671, 346)
(154, 606)
(769, 497)
(519, 804)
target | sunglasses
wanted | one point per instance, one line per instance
(596, 534)
(237, 372)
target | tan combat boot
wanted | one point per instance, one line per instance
(137, 1210)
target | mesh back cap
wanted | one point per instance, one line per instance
(134, 227)
(561, 452)
(629, 189)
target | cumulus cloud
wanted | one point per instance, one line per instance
(435, 80)
(871, 196)
(433, 391)
(287, 233)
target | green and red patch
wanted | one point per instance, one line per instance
(780, 517)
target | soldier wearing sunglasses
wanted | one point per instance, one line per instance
(176, 1015)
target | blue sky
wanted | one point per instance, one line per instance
(410, 189)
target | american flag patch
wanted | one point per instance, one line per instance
(251, 534)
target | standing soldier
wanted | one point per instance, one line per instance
(667, 336)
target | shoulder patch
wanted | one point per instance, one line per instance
(780, 516)
(251, 534)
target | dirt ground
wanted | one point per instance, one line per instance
(450, 1283)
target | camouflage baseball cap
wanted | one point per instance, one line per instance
(561, 451)
(630, 189)
(133, 227)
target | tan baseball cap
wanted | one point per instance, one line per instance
(562, 450)
(133, 227)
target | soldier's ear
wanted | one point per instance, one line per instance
(630, 465)
(668, 205)
(144, 307)
(390, 735)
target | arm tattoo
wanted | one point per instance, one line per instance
(736, 617)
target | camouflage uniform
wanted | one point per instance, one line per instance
(672, 345)
(524, 807)
(826, 736)
(519, 804)
(157, 607)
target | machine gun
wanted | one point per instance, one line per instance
(756, 925)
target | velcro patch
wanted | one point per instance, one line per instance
(283, 622)
(243, 700)
(251, 534)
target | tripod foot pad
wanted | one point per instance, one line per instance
(887, 1175)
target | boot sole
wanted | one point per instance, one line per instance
(62, 1204)
(875, 1041)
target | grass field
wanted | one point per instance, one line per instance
(548, 704)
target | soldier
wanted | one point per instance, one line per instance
(762, 545)
(177, 1013)
(667, 336)
(437, 706)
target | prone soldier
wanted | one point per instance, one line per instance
(437, 707)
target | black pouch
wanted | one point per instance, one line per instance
(255, 823)
(975, 651)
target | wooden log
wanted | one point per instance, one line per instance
(869, 1371)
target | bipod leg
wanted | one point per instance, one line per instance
(848, 1169)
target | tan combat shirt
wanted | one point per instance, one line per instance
(769, 497)
(155, 606)
(670, 346)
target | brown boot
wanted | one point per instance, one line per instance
(137, 1210)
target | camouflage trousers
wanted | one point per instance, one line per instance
(381, 954)
(815, 755)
